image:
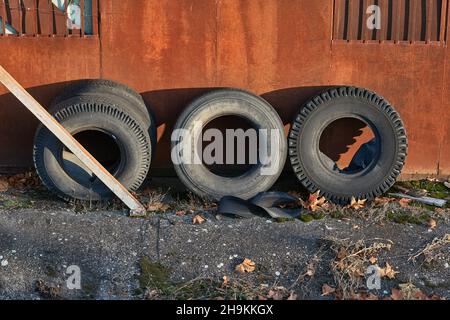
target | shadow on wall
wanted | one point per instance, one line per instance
(17, 125)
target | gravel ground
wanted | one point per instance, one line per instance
(37, 246)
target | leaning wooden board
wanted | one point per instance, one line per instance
(70, 142)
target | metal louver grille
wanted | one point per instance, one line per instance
(400, 20)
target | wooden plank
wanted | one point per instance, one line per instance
(82, 7)
(367, 34)
(4, 16)
(339, 19)
(70, 142)
(444, 20)
(95, 15)
(429, 24)
(20, 30)
(383, 33)
(413, 34)
(353, 20)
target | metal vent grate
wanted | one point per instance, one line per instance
(48, 17)
(399, 20)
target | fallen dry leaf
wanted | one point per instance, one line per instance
(310, 270)
(364, 296)
(432, 224)
(157, 207)
(315, 202)
(225, 281)
(382, 200)
(24, 180)
(246, 266)
(198, 219)
(327, 290)
(276, 295)
(388, 271)
(408, 291)
(356, 204)
(397, 294)
(404, 203)
(342, 253)
(373, 260)
(439, 210)
(4, 185)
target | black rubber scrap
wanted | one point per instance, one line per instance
(263, 204)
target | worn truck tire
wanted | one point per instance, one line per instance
(315, 172)
(231, 102)
(135, 104)
(125, 145)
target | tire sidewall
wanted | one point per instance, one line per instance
(230, 103)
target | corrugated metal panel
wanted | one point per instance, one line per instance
(401, 20)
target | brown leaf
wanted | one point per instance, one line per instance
(373, 260)
(180, 213)
(4, 185)
(388, 271)
(24, 180)
(327, 290)
(432, 224)
(396, 294)
(157, 207)
(225, 281)
(315, 202)
(379, 201)
(404, 203)
(246, 266)
(310, 270)
(342, 253)
(364, 296)
(356, 204)
(275, 295)
(198, 219)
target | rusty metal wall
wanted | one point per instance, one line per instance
(173, 50)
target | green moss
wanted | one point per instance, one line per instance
(430, 186)
(307, 218)
(439, 195)
(408, 218)
(154, 276)
(338, 214)
(283, 220)
(15, 204)
(50, 272)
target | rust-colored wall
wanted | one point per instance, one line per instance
(173, 50)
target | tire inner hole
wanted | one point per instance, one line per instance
(102, 146)
(348, 146)
(231, 160)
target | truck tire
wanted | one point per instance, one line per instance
(135, 105)
(313, 168)
(122, 146)
(260, 114)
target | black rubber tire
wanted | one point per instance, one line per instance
(226, 102)
(135, 105)
(79, 114)
(307, 161)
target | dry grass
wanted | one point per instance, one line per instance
(432, 251)
(351, 261)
